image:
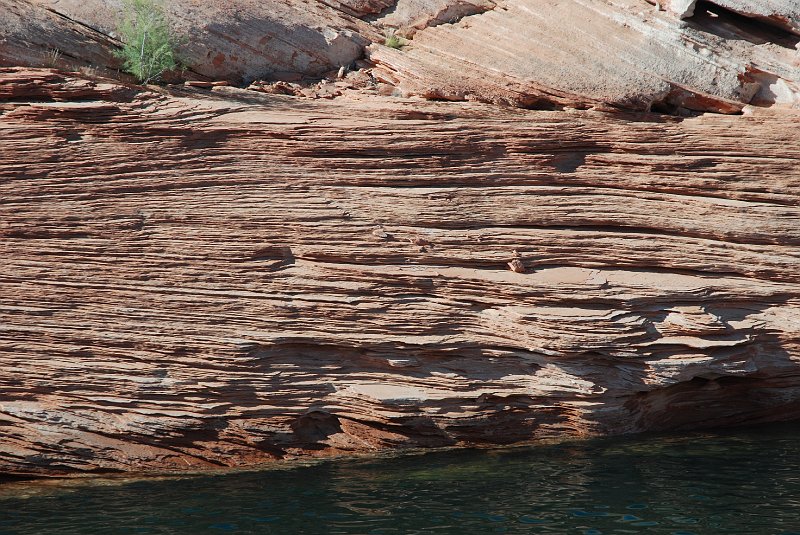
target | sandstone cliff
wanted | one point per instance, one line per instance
(218, 278)
(198, 278)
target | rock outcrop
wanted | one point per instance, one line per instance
(196, 279)
(679, 57)
(781, 13)
(33, 36)
(583, 53)
(245, 39)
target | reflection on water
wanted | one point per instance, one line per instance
(742, 482)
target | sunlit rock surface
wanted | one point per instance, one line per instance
(623, 53)
(673, 56)
(195, 279)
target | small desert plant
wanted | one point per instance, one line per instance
(394, 41)
(148, 44)
(52, 57)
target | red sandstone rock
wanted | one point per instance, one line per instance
(411, 15)
(202, 83)
(231, 40)
(627, 54)
(197, 279)
(30, 35)
(517, 266)
(584, 53)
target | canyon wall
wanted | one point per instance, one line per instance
(195, 279)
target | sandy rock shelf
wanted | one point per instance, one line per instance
(194, 278)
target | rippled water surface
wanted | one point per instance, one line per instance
(743, 482)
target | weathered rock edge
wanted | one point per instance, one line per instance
(198, 279)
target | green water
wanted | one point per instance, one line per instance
(743, 482)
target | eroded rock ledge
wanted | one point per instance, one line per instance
(203, 279)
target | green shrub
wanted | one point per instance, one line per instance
(393, 41)
(148, 44)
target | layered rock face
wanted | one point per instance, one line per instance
(624, 54)
(194, 279)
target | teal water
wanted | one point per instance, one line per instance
(743, 482)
